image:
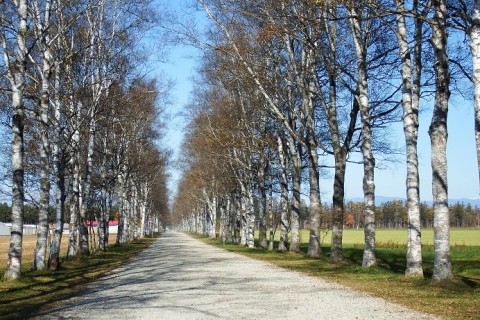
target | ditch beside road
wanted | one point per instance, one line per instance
(179, 277)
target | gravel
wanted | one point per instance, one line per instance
(182, 278)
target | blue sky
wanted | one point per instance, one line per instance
(462, 167)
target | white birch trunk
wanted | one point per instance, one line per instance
(86, 186)
(143, 208)
(262, 230)
(367, 151)
(250, 219)
(222, 233)
(230, 220)
(41, 26)
(442, 269)
(213, 218)
(314, 248)
(284, 225)
(15, 75)
(58, 159)
(410, 128)
(271, 217)
(102, 220)
(210, 212)
(340, 148)
(296, 161)
(102, 226)
(130, 218)
(75, 200)
(336, 252)
(243, 216)
(122, 200)
(475, 49)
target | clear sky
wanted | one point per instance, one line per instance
(462, 165)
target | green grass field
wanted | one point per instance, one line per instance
(458, 236)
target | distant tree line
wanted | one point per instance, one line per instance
(393, 214)
(390, 214)
(30, 214)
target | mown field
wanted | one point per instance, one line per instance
(458, 299)
(458, 236)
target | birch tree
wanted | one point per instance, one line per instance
(357, 25)
(59, 165)
(284, 201)
(63, 102)
(43, 28)
(438, 138)
(15, 63)
(341, 131)
(411, 69)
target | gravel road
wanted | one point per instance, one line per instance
(182, 278)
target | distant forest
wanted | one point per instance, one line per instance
(393, 214)
(31, 214)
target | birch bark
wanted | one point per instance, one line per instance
(230, 220)
(250, 219)
(367, 151)
(262, 232)
(301, 72)
(74, 202)
(442, 269)
(122, 204)
(314, 248)
(271, 217)
(86, 182)
(223, 231)
(284, 225)
(15, 76)
(410, 128)
(211, 206)
(42, 26)
(340, 149)
(59, 163)
(296, 172)
(475, 49)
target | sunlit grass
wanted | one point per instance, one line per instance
(458, 299)
(458, 236)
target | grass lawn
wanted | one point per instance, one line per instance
(458, 236)
(459, 299)
(37, 291)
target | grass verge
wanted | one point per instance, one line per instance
(38, 291)
(458, 299)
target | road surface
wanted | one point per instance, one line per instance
(182, 278)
